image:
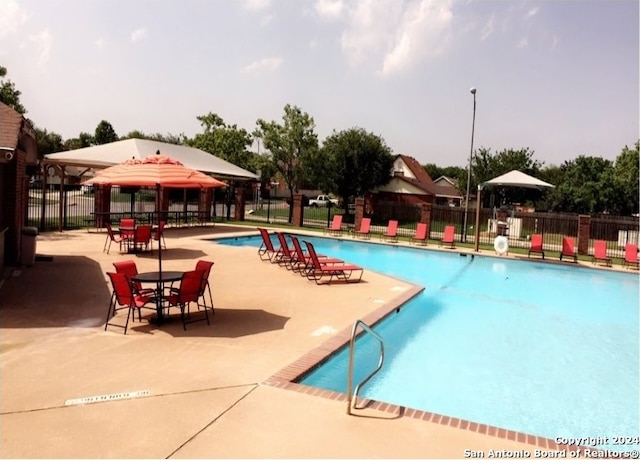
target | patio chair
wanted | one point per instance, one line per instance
(266, 251)
(112, 238)
(630, 255)
(158, 235)
(205, 266)
(340, 270)
(420, 236)
(365, 229)
(336, 226)
(188, 292)
(449, 237)
(536, 245)
(126, 297)
(130, 269)
(600, 253)
(392, 232)
(141, 238)
(568, 249)
(127, 226)
(301, 260)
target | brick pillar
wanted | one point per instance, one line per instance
(298, 210)
(102, 205)
(359, 213)
(239, 204)
(425, 216)
(584, 232)
(204, 204)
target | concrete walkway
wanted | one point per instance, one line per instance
(193, 394)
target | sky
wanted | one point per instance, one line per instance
(558, 77)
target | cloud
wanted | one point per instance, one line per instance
(488, 27)
(42, 43)
(393, 36)
(99, 43)
(523, 42)
(329, 8)
(256, 5)
(12, 17)
(263, 65)
(266, 20)
(138, 35)
(531, 13)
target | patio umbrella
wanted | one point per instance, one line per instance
(154, 171)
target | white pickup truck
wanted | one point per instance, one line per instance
(322, 200)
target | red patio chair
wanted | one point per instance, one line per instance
(130, 269)
(112, 238)
(568, 248)
(187, 293)
(340, 270)
(600, 253)
(284, 254)
(126, 297)
(449, 237)
(420, 237)
(127, 226)
(630, 255)
(336, 225)
(536, 245)
(206, 267)
(392, 232)
(141, 238)
(365, 229)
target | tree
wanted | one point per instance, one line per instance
(105, 133)
(291, 144)
(356, 162)
(48, 142)
(627, 181)
(9, 94)
(83, 140)
(224, 141)
(177, 139)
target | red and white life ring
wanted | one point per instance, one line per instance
(501, 245)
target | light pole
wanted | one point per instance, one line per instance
(466, 203)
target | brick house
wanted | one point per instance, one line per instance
(409, 183)
(18, 149)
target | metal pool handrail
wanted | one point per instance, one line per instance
(351, 396)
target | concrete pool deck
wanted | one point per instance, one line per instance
(206, 392)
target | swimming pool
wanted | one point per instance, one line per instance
(538, 348)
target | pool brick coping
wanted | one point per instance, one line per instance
(286, 379)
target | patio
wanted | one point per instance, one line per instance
(203, 390)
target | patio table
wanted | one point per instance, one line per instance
(159, 278)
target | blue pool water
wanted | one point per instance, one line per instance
(533, 347)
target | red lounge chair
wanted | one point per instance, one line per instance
(284, 254)
(449, 237)
(112, 237)
(336, 225)
(392, 232)
(536, 245)
(340, 270)
(420, 236)
(365, 229)
(126, 297)
(600, 253)
(185, 294)
(301, 260)
(630, 255)
(266, 251)
(568, 248)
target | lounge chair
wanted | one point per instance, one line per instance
(266, 251)
(600, 253)
(339, 270)
(285, 253)
(392, 232)
(536, 245)
(301, 261)
(365, 229)
(336, 226)
(630, 255)
(449, 237)
(420, 237)
(568, 248)
(125, 296)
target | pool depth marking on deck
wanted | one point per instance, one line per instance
(107, 398)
